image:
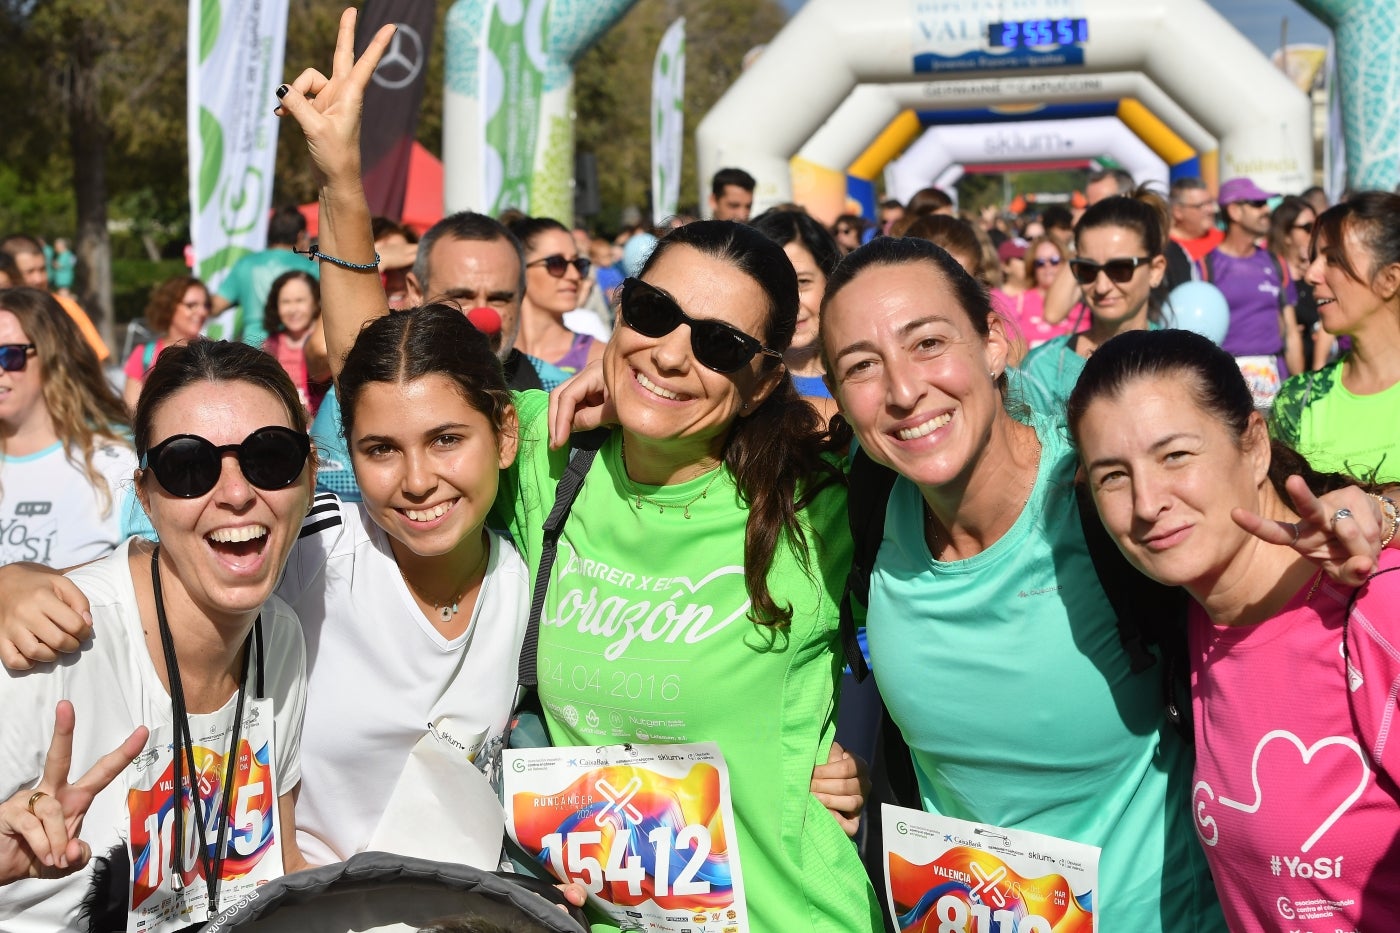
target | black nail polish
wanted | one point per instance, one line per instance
(282, 92)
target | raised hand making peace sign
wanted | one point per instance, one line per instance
(39, 826)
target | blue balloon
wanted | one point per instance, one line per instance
(1199, 307)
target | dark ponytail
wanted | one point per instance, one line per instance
(775, 451)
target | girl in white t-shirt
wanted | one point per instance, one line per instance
(190, 657)
(65, 467)
(414, 611)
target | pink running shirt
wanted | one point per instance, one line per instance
(1294, 795)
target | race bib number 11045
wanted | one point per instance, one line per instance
(647, 829)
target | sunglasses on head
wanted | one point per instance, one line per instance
(188, 466)
(1118, 270)
(1051, 261)
(557, 265)
(716, 345)
(14, 356)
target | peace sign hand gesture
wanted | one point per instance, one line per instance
(1339, 531)
(39, 826)
(328, 109)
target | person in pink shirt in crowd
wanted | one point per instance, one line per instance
(1294, 676)
(175, 314)
(1021, 297)
(292, 318)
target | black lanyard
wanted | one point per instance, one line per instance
(183, 749)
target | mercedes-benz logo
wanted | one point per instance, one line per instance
(402, 61)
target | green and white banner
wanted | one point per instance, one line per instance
(235, 65)
(512, 66)
(667, 122)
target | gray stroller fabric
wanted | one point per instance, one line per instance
(377, 891)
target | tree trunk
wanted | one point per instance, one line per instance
(88, 138)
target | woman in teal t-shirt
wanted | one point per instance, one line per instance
(993, 644)
(1118, 265)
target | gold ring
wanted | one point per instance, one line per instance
(33, 799)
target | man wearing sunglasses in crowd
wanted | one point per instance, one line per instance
(473, 260)
(1263, 336)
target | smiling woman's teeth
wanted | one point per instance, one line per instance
(427, 515)
(656, 389)
(925, 429)
(237, 535)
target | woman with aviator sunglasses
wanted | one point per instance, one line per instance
(703, 512)
(1118, 264)
(192, 660)
(552, 327)
(65, 462)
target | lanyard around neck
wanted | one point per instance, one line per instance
(183, 753)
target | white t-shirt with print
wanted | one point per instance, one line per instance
(50, 512)
(113, 686)
(381, 676)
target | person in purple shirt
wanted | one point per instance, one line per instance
(1263, 336)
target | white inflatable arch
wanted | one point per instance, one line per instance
(870, 108)
(1185, 48)
(941, 147)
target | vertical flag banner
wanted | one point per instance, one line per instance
(393, 98)
(1334, 146)
(235, 66)
(667, 122)
(512, 66)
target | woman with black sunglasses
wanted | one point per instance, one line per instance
(693, 598)
(1290, 240)
(191, 659)
(552, 328)
(1118, 263)
(65, 461)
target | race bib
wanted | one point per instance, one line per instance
(647, 829)
(1262, 376)
(253, 852)
(944, 875)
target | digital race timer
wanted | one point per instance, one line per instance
(1037, 33)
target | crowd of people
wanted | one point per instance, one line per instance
(294, 557)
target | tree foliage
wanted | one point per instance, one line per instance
(612, 88)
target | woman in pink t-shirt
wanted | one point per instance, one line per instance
(1029, 275)
(292, 317)
(175, 314)
(1294, 676)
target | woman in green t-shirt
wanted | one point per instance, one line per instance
(690, 603)
(1343, 417)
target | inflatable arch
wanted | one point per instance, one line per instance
(872, 108)
(895, 115)
(574, 25)
(946, 147)
(1367, 34)
(1185, 48)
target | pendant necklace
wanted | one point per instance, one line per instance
(446, 611)
(661, 507)
(183, 749)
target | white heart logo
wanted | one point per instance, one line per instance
(1209, 831)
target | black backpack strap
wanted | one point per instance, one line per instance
(867, 498)
(1148, 613)
(584, 448)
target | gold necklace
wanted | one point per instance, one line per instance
(634, 492)
(446, 611)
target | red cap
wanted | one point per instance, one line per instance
(486, 320)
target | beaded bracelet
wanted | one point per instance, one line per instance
(314, 253)
(1392, 515)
